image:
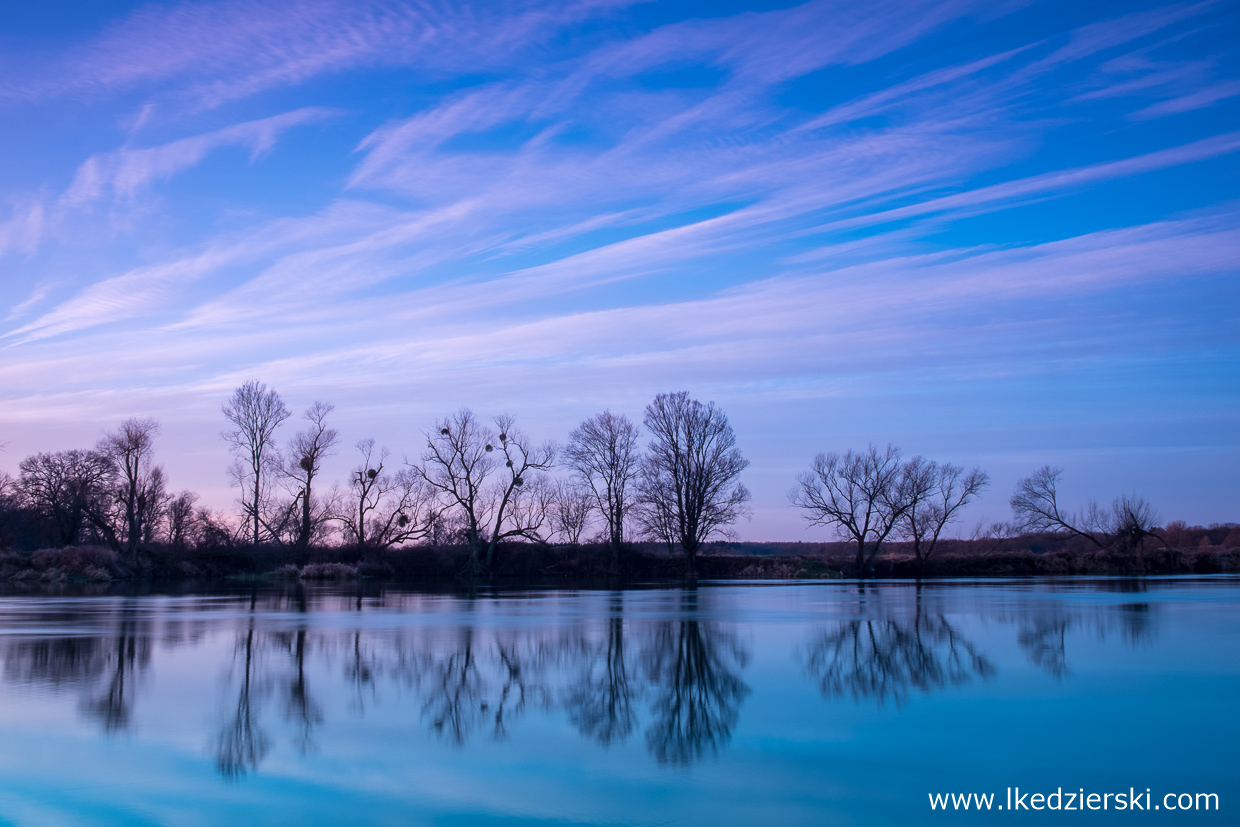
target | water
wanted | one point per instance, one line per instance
(786, 704)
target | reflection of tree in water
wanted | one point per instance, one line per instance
(130, 655)
(484, 680)
(299, 706)
(1044, 640)
(694, 670)
(105, 669)
(360, 671)
(884, 657)
(1044, 633)
(241, 744)
(56, 662)
(600, 703)
(456, 689)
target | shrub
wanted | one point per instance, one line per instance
(75, 561)
(329, 571)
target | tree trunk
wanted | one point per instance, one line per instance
(691, 548)
(303, 537)
(256, 484)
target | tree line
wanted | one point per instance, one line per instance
(480, 483)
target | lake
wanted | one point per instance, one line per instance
(732, 703)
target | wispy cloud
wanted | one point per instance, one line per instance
(526, 206)
(1198, 99)
(122, 174)
(23, 230)
(216, 52)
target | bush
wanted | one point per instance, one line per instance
(87, 562)
(329, 571)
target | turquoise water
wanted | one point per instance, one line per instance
(783, 704)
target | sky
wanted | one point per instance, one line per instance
(994, 233)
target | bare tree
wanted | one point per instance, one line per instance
(655, 512)
(153, 506)
(181, 518)
(139, 494)
(937, 494)
(524, 463)
(8, 502)
(571, 507)
(457, 463)
(864, 495)
(689, 480)
(1035, 505)
(306, 452)
(1131, 520)
(71, 490)
(385, 509)
(255, 413)
(603, 453)
(531, 509)
(1125, 525)
(462, 464)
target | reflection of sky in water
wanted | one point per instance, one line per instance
(732, 705)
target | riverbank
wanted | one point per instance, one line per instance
(650, 562)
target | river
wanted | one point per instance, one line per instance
(730, 703)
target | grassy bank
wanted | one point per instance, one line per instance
(1026, 556)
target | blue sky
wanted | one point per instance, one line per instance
(994, 233)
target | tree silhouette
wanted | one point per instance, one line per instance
(864, 495)
(303, 464)
(139, 484)
(689, 487)
(255, 413)
(603, 453)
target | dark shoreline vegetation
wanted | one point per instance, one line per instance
(1216, 550)
(484, 504)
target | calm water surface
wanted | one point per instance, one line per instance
(797, 704)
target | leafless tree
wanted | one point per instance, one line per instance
(1126, 524)
(139, 491)
(1130, 521)
(571, 508)
(8, 501)
(655, 508)
(1035, 505)
(153, 508)
(864, 495)
(457, 463)
(303, 463)
(181, 518)
(531, 509)
(255, 413)
(385, 509)
(689, 484)
(214, 529)
(462, 464)
(603, 453)
(937, 495)
(71, 490)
